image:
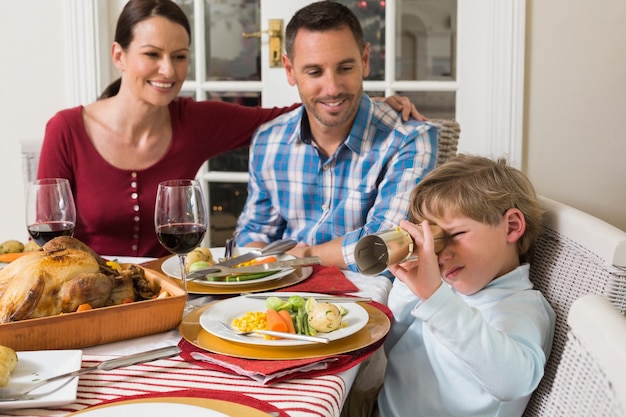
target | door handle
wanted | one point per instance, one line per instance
(275, 32)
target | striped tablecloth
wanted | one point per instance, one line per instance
(320, 396)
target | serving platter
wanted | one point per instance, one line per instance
(375, 329)
(227, 310)
(40, 364)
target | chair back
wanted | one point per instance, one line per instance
(591, 377)
(30, 149)
(576, 254)
(448, 138)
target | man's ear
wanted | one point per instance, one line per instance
(291, 78)
(516, 224)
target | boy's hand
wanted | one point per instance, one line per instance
(424, 280)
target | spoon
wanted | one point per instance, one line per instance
(18, 392)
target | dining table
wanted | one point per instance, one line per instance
(203, 379)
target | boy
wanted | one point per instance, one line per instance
(470, 336)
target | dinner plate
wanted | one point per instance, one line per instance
(171, 267)
(40, 364)
(227, 310)
(376, 328)
(170, 406)
(298, 275)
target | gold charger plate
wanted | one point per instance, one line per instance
(299, 275)
(135, 406)
(376, 328)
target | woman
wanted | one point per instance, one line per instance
(117, 150)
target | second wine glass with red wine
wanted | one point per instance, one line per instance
(180, 219)
(50, 209)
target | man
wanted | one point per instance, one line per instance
(341, 166)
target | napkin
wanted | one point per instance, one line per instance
(272, 371)
(324, 279)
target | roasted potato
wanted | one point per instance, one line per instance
(8, 362)
(325, 317)
(11, 246)
(199, 255)
(31, 246)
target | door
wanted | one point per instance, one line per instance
(459, 59)
(419, 34)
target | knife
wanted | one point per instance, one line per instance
(277, 247)
(318, 297)
(221, 271)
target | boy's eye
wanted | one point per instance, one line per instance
(453, 235)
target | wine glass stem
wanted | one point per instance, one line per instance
(183, 271)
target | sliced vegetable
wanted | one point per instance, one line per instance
(247, 277)
(84, 307)
(275, 321)
(296, 301)
(277, 303)
(10, 257)
(257, 261)
(288, 320)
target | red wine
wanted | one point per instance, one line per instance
(43, 232)
(181, 238)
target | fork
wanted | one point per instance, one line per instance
(284, 335)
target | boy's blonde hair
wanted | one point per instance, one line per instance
(481, 189)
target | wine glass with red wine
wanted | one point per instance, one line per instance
(180, 219)
(50, 209)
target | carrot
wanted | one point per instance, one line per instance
(84, 307)
(288, 320)
(275, 321)
(10, 257)
(264, 260)
(258, 261)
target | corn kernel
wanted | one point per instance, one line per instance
(250, 321)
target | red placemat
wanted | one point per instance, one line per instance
(324, 279)
(271, 371)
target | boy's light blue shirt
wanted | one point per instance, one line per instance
(296, 192)
(477, 355)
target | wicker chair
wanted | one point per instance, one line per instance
(577, 254)
(591, 377)
(448, 139)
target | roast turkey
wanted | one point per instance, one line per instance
(59, 278)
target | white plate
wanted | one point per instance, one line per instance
(231, 308)
(35, 365)
(171, 267)
(170, 406)
(156, 409)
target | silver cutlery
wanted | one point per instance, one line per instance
(318, 297)
(317, 339)
(18, 392)
(277, 247)
(217, 271)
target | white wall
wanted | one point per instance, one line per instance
(575, 122)
(33, 88)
